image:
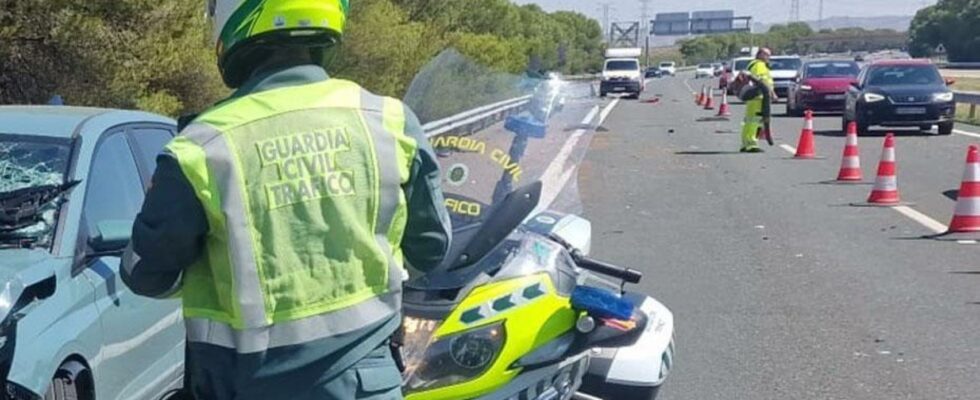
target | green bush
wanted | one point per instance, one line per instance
(156, 55)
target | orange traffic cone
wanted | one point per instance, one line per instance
(885, 191)
(723, 110)
(850, 164)
(806, 149)
(709, 104)
(702, 97)
(966, 218)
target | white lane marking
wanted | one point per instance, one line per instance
(688, 84)
(922, 219)
(790, 149)
(555, 171)
(965, 133)
(602, 116)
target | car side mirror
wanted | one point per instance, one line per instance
(950, 81)
(111, 236)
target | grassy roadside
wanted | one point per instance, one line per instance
(963, 110)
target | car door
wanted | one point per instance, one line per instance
(143, 338)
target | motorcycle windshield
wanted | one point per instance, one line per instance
(496, 133)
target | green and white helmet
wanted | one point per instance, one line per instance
(237, 24)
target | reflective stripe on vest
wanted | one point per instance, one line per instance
(301, 187)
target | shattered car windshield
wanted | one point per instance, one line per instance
(26, 163)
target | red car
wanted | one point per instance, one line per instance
(821, 86)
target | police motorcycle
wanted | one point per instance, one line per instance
(518, 310)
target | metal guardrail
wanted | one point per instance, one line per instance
(971, 98)
(960, 65)
(477, 117)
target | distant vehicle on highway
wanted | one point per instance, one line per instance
(719, 68)
(704, 71)
(785, 70)
(622, 73)
(734, 68)
(653, 72)
(669, 68)
(821, 86)
(71, 329)
(908, 93)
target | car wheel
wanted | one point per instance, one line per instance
(791, 109)
(946, 128)
(862, 127)
(602, 94)
(71, 382)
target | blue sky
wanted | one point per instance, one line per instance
(768, 11)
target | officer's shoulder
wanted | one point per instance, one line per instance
(374, 98)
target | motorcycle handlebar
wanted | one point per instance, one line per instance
(626, 274)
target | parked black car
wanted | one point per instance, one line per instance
(900, 93)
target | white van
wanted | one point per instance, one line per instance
(622, 73)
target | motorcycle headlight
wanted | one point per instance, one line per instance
(452, 359)
(873, 97)
(942, 97)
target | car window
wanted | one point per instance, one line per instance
(114, 189)
(904, 75)
(831, 69)
(622, 65)
(149, 144)
(785, 64)
(742, 65)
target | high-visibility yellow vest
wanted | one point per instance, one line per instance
(302, 190)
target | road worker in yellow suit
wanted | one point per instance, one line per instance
(758, 68)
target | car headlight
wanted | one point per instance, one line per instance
(942, 97)
(806, 88)
(450, 360)
(873, 97)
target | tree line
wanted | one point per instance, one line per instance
(954, 24)
(793, 38)
(156, 55)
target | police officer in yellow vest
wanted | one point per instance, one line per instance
(284, 216)
(753, 108)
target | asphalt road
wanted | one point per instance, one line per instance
(780, 289)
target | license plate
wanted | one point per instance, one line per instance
(619, 89)
(910, 110)
(835, 97)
